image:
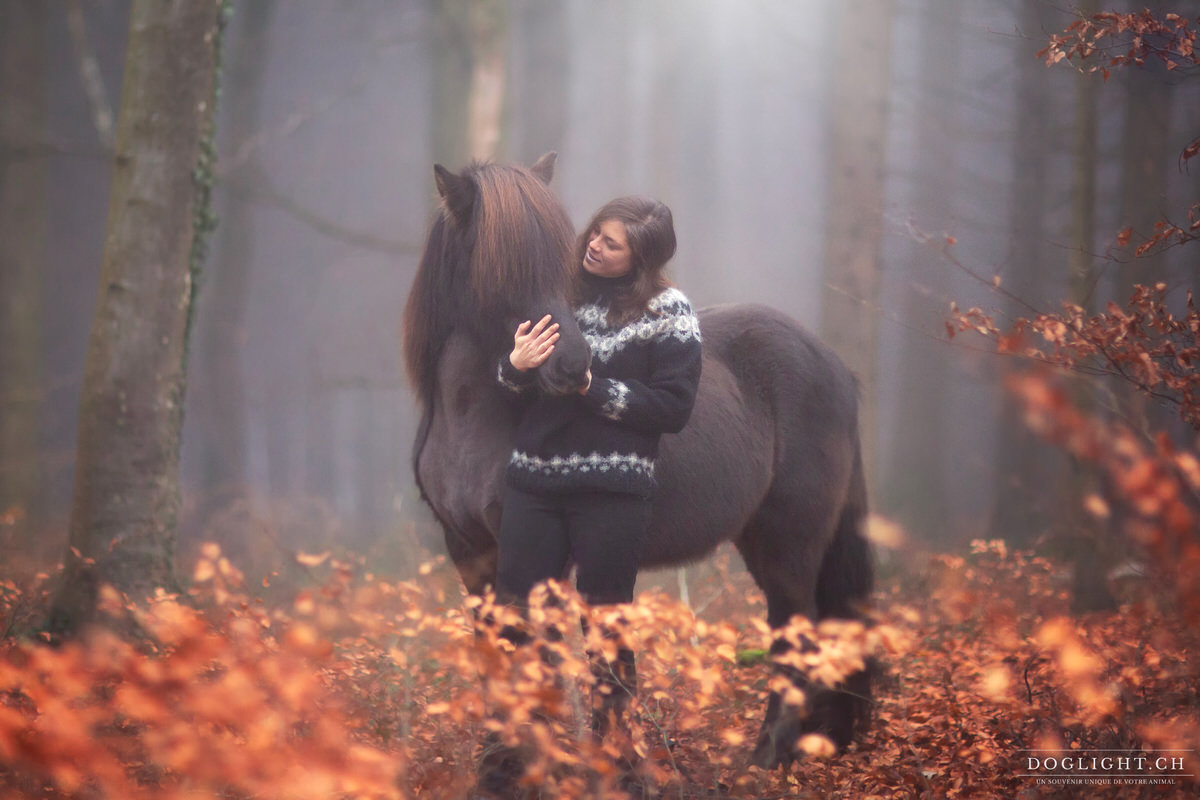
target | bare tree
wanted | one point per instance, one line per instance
(1024, 465)
(1089, 586)
(855, 227)
(540, 70)
(1145, 162)
(919, 460)
(1083, 184)
(471, 65)
(22, 229)
(126, 502)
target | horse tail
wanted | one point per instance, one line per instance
(844, 588)
(847, 574)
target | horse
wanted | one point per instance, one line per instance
(770, 459)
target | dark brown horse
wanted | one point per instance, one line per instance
(769, 460)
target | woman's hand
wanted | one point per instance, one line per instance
(533, 344)
(587, 384)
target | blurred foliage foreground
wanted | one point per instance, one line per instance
(363, 688)
(352, 686)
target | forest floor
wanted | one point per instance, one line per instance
(356, 686)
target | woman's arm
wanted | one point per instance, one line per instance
(663, 402)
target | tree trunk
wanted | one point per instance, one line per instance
(918, 471)
(126, 501)
(22, 231)
(471, 68)
(1144, 165)
(1020, 510)
(1083, 185)
(489, 77)
(1089, 587)
(856, 183)
(541, 69)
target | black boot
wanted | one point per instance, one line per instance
(615, 688)
(500, 770)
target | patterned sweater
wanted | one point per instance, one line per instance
(644, 379)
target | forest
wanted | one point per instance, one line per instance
(219, 576)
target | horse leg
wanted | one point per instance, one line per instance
(782, 576)
(474, 554)
(844, 588)
(796, 549)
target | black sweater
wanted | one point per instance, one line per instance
(644, 379)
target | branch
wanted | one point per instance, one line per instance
(1143, 344)
(47, 148)
(942, 243)
(1166, 234)
(263, 193)
(248, 148)
(89, 73)
(1171, 39)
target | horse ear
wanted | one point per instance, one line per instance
(543, 168)
(457, 192)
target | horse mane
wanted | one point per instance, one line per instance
(489, 258)
(427, 321)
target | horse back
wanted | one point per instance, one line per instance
(776, 407)
(780, 360)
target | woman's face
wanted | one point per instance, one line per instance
(607, 254)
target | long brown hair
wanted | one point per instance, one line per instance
(499, 246)
(650, 234)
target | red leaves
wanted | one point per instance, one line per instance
(1150, 488)
(1167, 234)
(215, 705)
(1144, 343)
(371, 689)
(1006, 670)
(1189, 152)
(1124, 39)
(368, 689)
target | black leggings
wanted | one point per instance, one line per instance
(600, 532)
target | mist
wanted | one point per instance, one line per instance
(300, 420)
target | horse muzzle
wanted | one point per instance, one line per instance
(565, 372)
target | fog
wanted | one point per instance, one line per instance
(299, 419)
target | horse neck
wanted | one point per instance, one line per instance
(465, 361)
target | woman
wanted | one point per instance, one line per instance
(580, 482)
(579, 486)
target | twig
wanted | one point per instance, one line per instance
(263, 193)
(249, 147)
(942, 244)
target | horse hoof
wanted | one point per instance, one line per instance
(768, 754)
